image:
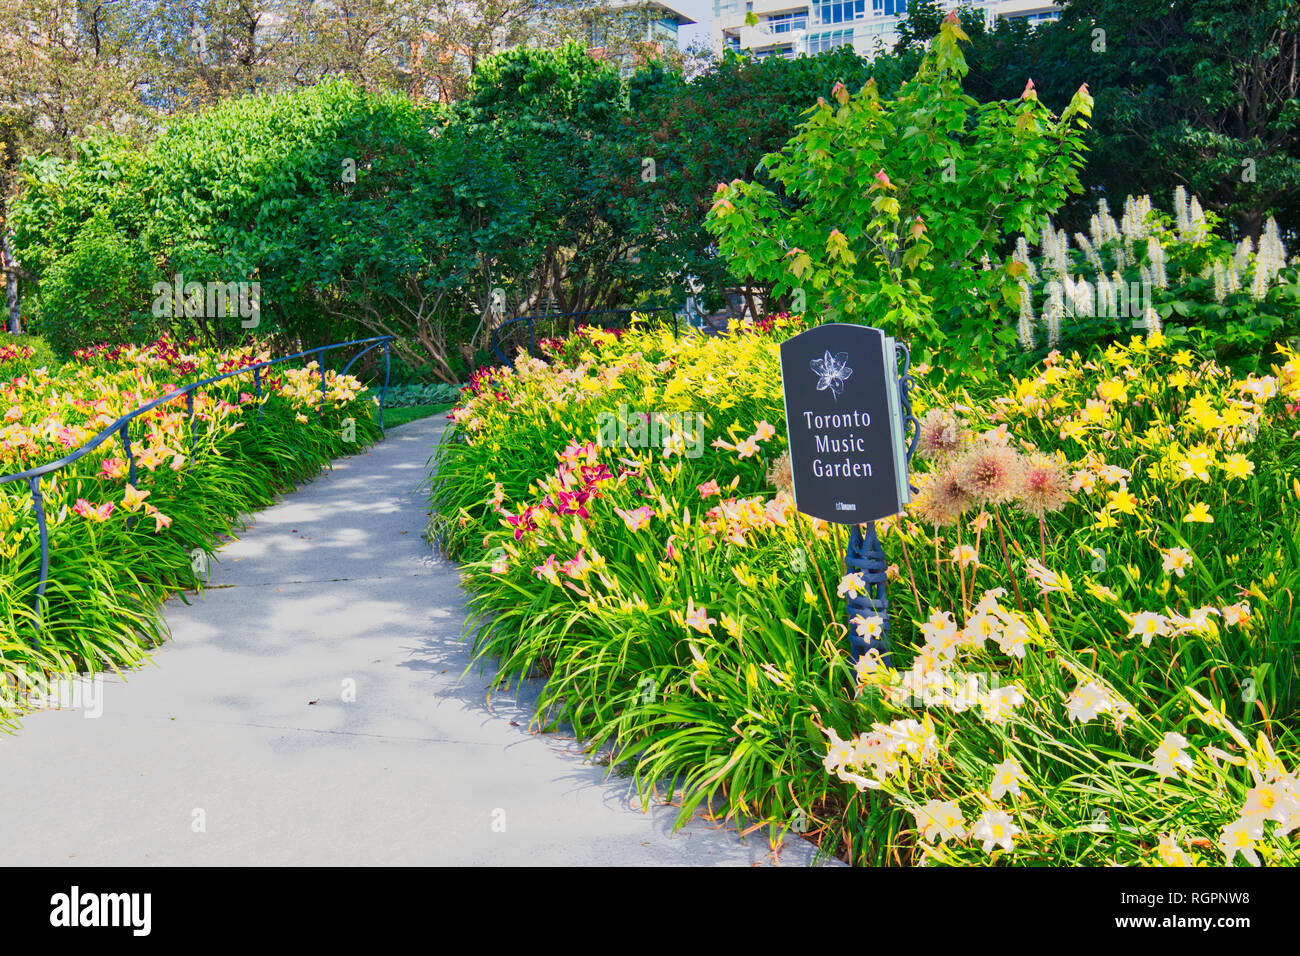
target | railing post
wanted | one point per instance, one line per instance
(383, 394)
(125, 434)
(34, 483)
(257, 382)
(189, 401)
(320, 363)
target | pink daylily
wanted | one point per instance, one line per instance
(546, 570)
(709, 488)
(637, 518)
(577, 566)
(92, 513)
(697, 617)
(161, 520)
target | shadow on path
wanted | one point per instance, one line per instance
(313, 708)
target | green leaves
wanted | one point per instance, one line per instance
(837, 246)
(907, 196)
(106, 580)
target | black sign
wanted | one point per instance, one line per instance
(845, 424)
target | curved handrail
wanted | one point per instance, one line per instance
(191, 387)
(122, 427)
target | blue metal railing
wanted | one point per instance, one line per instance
(122, 427)
(619, 318)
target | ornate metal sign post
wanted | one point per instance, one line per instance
(846, 411)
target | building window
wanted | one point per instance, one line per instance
(666, 28)
(829, 40)
(885, 28)
(787, 22)
(841, 11)
(785, 52)
(1033, 18)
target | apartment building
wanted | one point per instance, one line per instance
(655, 20)
(789, 27)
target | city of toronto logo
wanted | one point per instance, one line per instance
(832, 371)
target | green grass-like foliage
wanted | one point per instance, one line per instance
(1128, 696)
(410, 413)
(117, 550)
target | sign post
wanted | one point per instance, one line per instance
(846, 411)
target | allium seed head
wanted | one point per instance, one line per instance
(943, 499)
(1045, 485)
(941, 434)
(781, 474)
(990, 472)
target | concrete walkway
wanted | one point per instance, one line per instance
(238, 746)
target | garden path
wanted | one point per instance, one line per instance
(237, 746)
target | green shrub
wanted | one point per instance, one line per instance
(20, 354)
(1151, 270)
(99, 291)
(891, 211)
(408, 396)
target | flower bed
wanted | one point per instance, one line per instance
(116, 548)
(1093, 596)
(15, 358)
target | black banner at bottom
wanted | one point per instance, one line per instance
(330, 907)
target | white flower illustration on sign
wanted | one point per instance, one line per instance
(832, 370)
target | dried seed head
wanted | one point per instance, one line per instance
(990, 472)
(781, 474)
(943, 499)
(941, 435)
(1045, 486)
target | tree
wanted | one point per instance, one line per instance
(461, 34)
(716, 128)
(66, 68)
(558, 115)
(923, 19)
(1200, 93)
(892, 210)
